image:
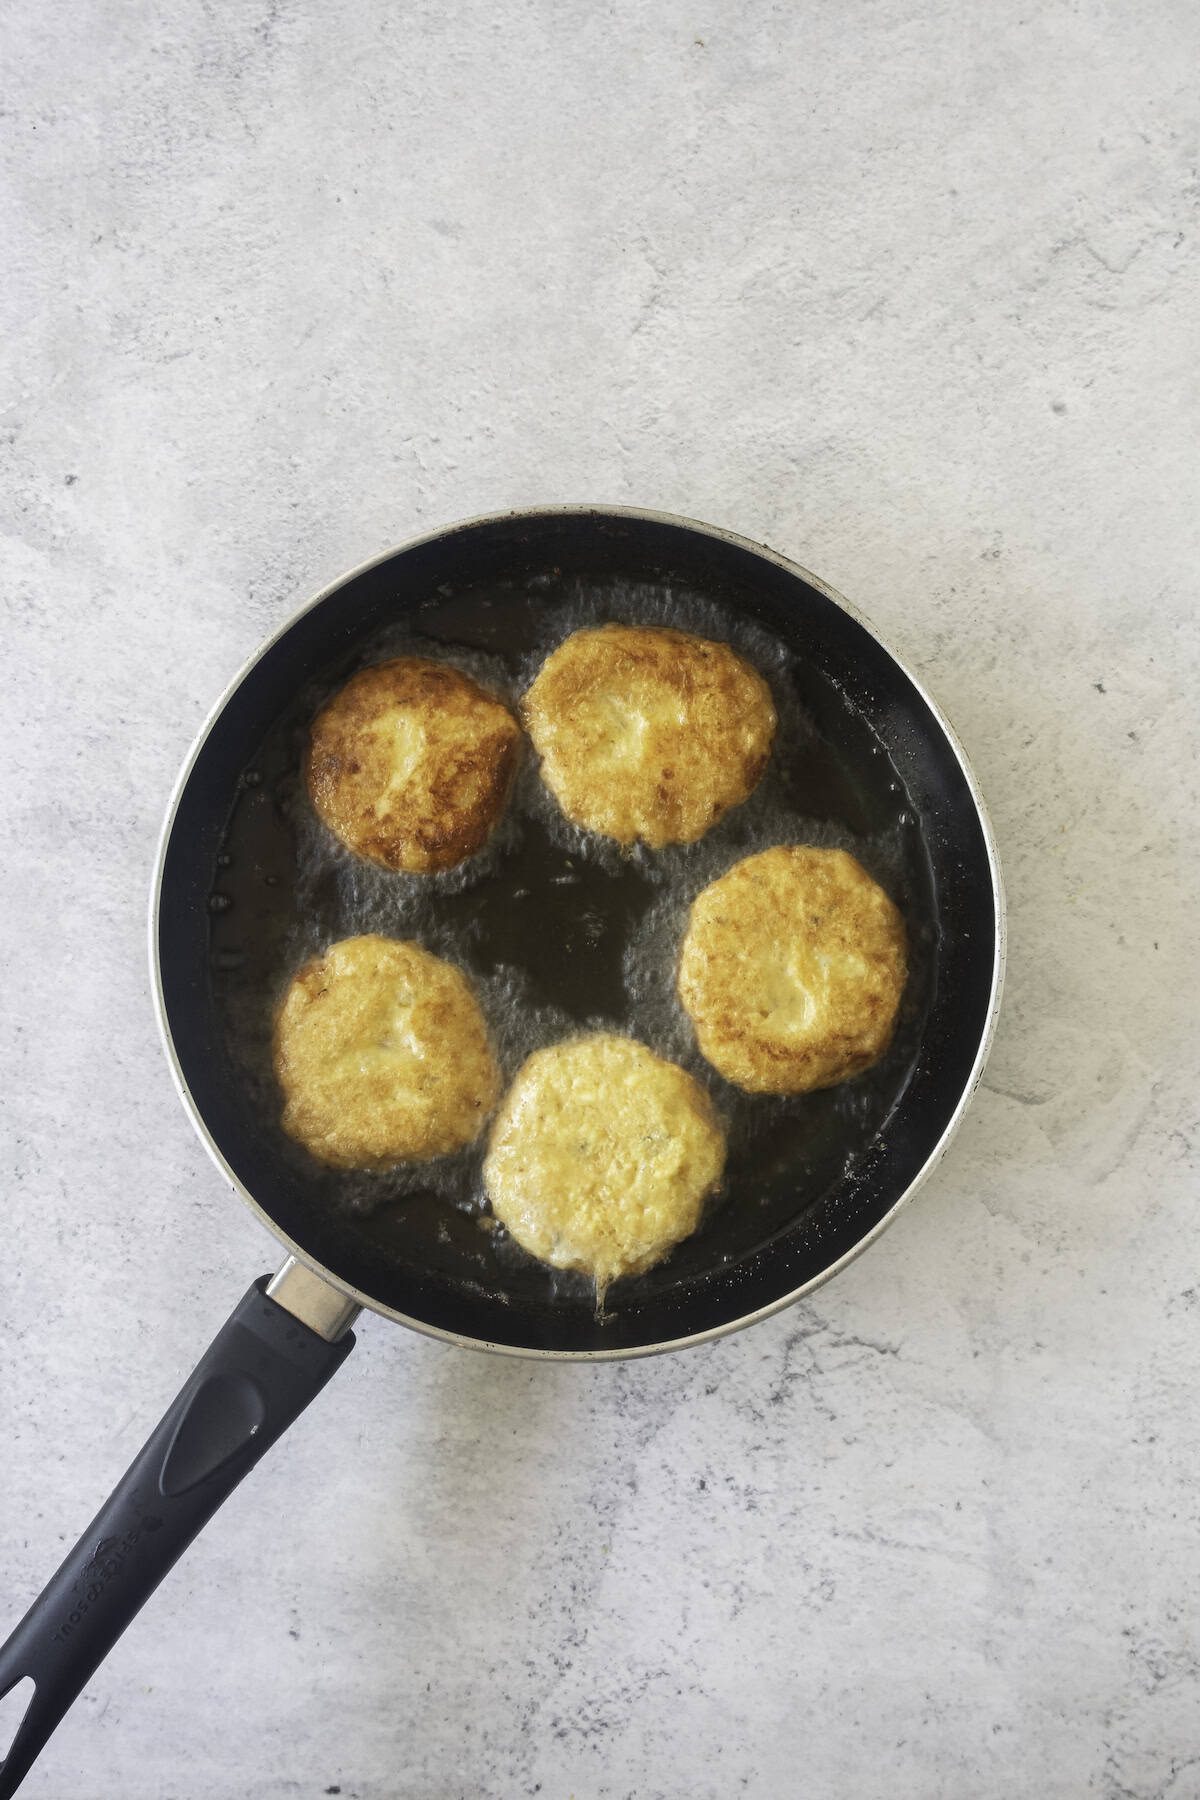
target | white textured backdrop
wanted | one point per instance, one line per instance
(910, 291)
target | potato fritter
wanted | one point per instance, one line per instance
(792, 970)
(649, 733)
(601, 1156)
(410, 764)
(383, 1056)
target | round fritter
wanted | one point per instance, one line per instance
(649, 733)
(792, 969)
(601, 1156)
(410, 764)
(382, 1055)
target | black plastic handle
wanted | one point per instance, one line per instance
(260, 1372)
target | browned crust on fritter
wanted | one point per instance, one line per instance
(382, 1055)
(447, 808)
(649, 733)
(792, 970)
(602, 1155)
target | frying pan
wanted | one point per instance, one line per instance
(557, 931)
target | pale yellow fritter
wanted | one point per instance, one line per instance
(601, 1156)
(383, 1056)
(649, 733)
(792, 970)
(410, 764)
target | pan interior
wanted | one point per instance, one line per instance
(560, 932)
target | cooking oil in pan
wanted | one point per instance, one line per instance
(561, 931)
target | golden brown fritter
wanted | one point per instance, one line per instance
(601, 1156)
(649, 733)
(383, 1056)
(410, 764)
(792, 970)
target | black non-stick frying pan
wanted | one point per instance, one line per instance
(560, 933)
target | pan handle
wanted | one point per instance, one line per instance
(259, 1373)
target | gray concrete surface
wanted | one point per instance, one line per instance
(909, 291)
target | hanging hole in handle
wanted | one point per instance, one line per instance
(13, 1707)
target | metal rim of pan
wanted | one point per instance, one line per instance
(969, 1076)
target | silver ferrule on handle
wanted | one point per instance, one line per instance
(324, 1308)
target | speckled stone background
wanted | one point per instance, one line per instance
(909, 291)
